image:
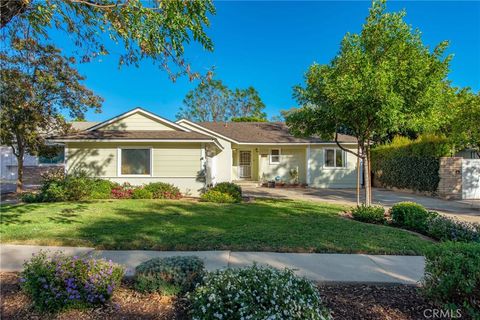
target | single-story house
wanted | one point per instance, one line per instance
(141, 147)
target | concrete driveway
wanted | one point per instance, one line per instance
(467, 210)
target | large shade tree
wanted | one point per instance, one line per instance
(37, 86)
(380, 80)
(153, 29)
(211, 100)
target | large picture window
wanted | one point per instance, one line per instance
(135, 161)
(334, 158)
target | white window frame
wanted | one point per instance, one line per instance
(119, 162)
(335, 150)
(271, 155)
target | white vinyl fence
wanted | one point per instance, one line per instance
(471, 179)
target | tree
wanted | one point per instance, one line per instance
(465, 123)
(147, 29)
(37, 83)
(246, 103)
(248, 119)
(381, 79)
(213, 101)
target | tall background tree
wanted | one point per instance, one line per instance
(213, 101)
(381, 80)
(145, 29)
(38, 85)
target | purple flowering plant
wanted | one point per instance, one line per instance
(59, 282)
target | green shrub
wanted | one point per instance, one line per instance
(446, 228)
(411, 215)
(230, 188)
(102, 189)
(53, 192)
(59, 187)
(370, 214)
(169, 276)
(452, 276)
(410, 164)
(30, 197)
(217, 197)
(256, 293)
(162, 190)
(60, 282)
(141, 193)
(78, 187)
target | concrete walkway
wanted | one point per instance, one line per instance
(315, 266)
(467, 210)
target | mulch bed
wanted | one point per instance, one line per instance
(346, 301)
(372, 302)
(125, 304)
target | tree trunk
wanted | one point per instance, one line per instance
(358, 176)
(369, 172)
(367, 176)
(20, 171)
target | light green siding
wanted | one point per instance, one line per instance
(137, 121)
(323, 177)
(176, 163)
(290, 158)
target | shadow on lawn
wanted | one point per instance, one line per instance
(68, 215)
(172, 225)
(12, 214)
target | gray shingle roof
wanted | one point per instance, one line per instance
(263, 132)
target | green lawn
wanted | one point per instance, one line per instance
(265, 225)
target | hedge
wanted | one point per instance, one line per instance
(410, 164)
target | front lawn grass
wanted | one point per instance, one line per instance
(263, 225)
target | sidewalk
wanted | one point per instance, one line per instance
(314, 266)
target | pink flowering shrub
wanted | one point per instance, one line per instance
(123, 191)
(61, 282)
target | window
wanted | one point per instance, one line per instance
(135, 161)
(334, 158)
(56, 158)
(274, 156)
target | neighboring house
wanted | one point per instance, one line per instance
(33, 165)
(140, 147)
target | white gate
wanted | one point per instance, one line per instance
(471, 179)
(245, 164)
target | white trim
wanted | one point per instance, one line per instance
(344, 159)
(270, 156)
(206, 130)
(215, 142)
(65, 150)
(119, 162)
(144, 112)
(307, 163)
(293, 143)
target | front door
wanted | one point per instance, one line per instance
(245, 165)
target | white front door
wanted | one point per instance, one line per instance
(245, 164)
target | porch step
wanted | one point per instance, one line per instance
(247, 183)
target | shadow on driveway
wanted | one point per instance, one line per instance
(468, 210)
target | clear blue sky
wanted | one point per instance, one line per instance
(269, 45)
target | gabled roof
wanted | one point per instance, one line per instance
(141, 111)
(134, 135)
(83, 125)
(261, 132)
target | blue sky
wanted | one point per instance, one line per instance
(269, 45)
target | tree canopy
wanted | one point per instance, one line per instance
(37, 84)
(146, 29)
(213, 101)
(381, 79)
